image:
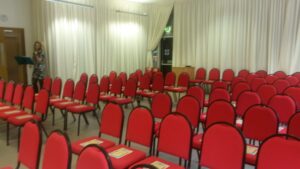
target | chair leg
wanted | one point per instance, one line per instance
(53, 118)
(19, 134)
(78, 129)
(7, 133)
(18, 165)
(44, 130)
(85, 119)
(65, 115)
(74, 118)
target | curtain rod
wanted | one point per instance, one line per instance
(72, 3)
(133, 13)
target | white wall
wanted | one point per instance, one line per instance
(18, 14)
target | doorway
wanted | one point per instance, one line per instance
(12, 43)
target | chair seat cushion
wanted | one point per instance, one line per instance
(203, 117)
(106, 97)
(176, 89)
(122, 100)
(158, 161)
(197, 141)
(5, 107)
(56, 100)
(22, 119)
(196, 81)
(122, 156)
(251, 154)
(11, 113)
(80, 108)
(149, 94)
(63, 105)
(209, 81)
(78, 145)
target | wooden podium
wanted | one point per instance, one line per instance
(189, 70)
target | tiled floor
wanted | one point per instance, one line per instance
(8, 154)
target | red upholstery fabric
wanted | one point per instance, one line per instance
(294, 125)
(42, 102)
(238, 89)
(219, 141)
(176, 89)
(18, 94)
(152, 159)
(297, 75)
(9, 92)
(68, 89)
(104, 84)
(127, 160)
(214, 75)
(170, 79)
(122, 100)
(56, 87)
(256, 83)
(80, 108)
(145, 82)
(64, 104)
(261, 73)
(149, 94)
(158, 83)
(237, 80)
(294, 92)
(200, 75)
(28, 98)
(93, 79)
(271, 79)
(2, 89)
(266, 92)
(219, 84)
(281, 85)
(246, 100)
(227, 75)
(21, 119)
(218, 94)
(11, 113)
(293, 80)
(123, 77)
(280, 74)
(183, 80)
(243, 73)
(84, 78)
(197, 141)
(112, 76)
(284, 106)
(47, 83)
(198, 93)
(250, 77)
(189, 106)
(77, 147)
(116, 86)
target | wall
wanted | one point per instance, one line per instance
(17, 14)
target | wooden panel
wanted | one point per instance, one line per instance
(189, 70)
(3, 69)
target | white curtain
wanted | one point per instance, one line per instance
(251, 34)
(158, 18)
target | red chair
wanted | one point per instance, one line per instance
(218, 111)
(236, 81)
(297, 75)
(182, 84)
(293, 128)
(56, 88)
(104, 85)
(243, 73)
(8, 95)
(200, 76)
(271, 79)
(140, 127)
(250, 77)
(128, 95)
(123, 77)
(139, 73)
(228, 75)
(261, 73)
(281, 85)
(266, 92)
(39, 114)
(259, 122)
(170, 79)
(214, 75)
(133, 76)
(112, 76)
(47, 83)
(16, 100)
(115, 90)
(145, 166)
(246, 100)
(217, 94)
(280, 74)
(280, 151)
(144, 83)
(294, 81)
(238, 89)
(93, 157)
(198, 93)
(30, 146)
(175, 138)
(157, 87)
(190, 107)
(256, 83)
(219, 84)
(91, 100)
(2, 89)
(220, 140)
(294, 92)
(84, 78)
(57, 152)
(93, 79)
(111, 123)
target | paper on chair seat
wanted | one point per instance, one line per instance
(119, 153)
(80, 106)
(160, 165)
(4, 107)
(12, 112)
(55, 99)
(66, 103)
(239, 121)
(94, 141)
(251, 150)
(24, 116)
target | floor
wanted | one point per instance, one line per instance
(8, 154)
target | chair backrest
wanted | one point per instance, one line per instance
(93, 157)
(266, 92)
(104, 84)
(93, 79)
(123, 77)
(116, 86)
(294, 81)
(30, 145)
(271, 79)
(262, 73)
(9, 92)
(190, 107)
(280, 74)
(68, 90)
(47, 83)
(170, 79)
(28, 98)
(112, 120)
(198, 93)
(219, 94)
(238, 89)
(219, 84)
(284, 106)
(139, 73)
(84, 78)
(79, 92)
(145, 81)
(175, 136)
(133, 76)
(280, 151)
(250, 77)
(259, 122)
(56, 87)
(297, 75)
(140, 126)
(183, 80)
(256, 83)
(223, 146)
(281, 85)
(220, 111)
(112, 75)
(158, 82)
(246, 100)
(200, 74)
(243, 73)
(57, 152)
(130, 87)
(42, 102)
(214, 74)
(18, 94)
(237, 80)
(143, 166)
(161, 105)
(92, 95)
(2, 89)
(228, 75)
(293, 128)
(294, 92)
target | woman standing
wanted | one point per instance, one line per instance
(39, 69)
